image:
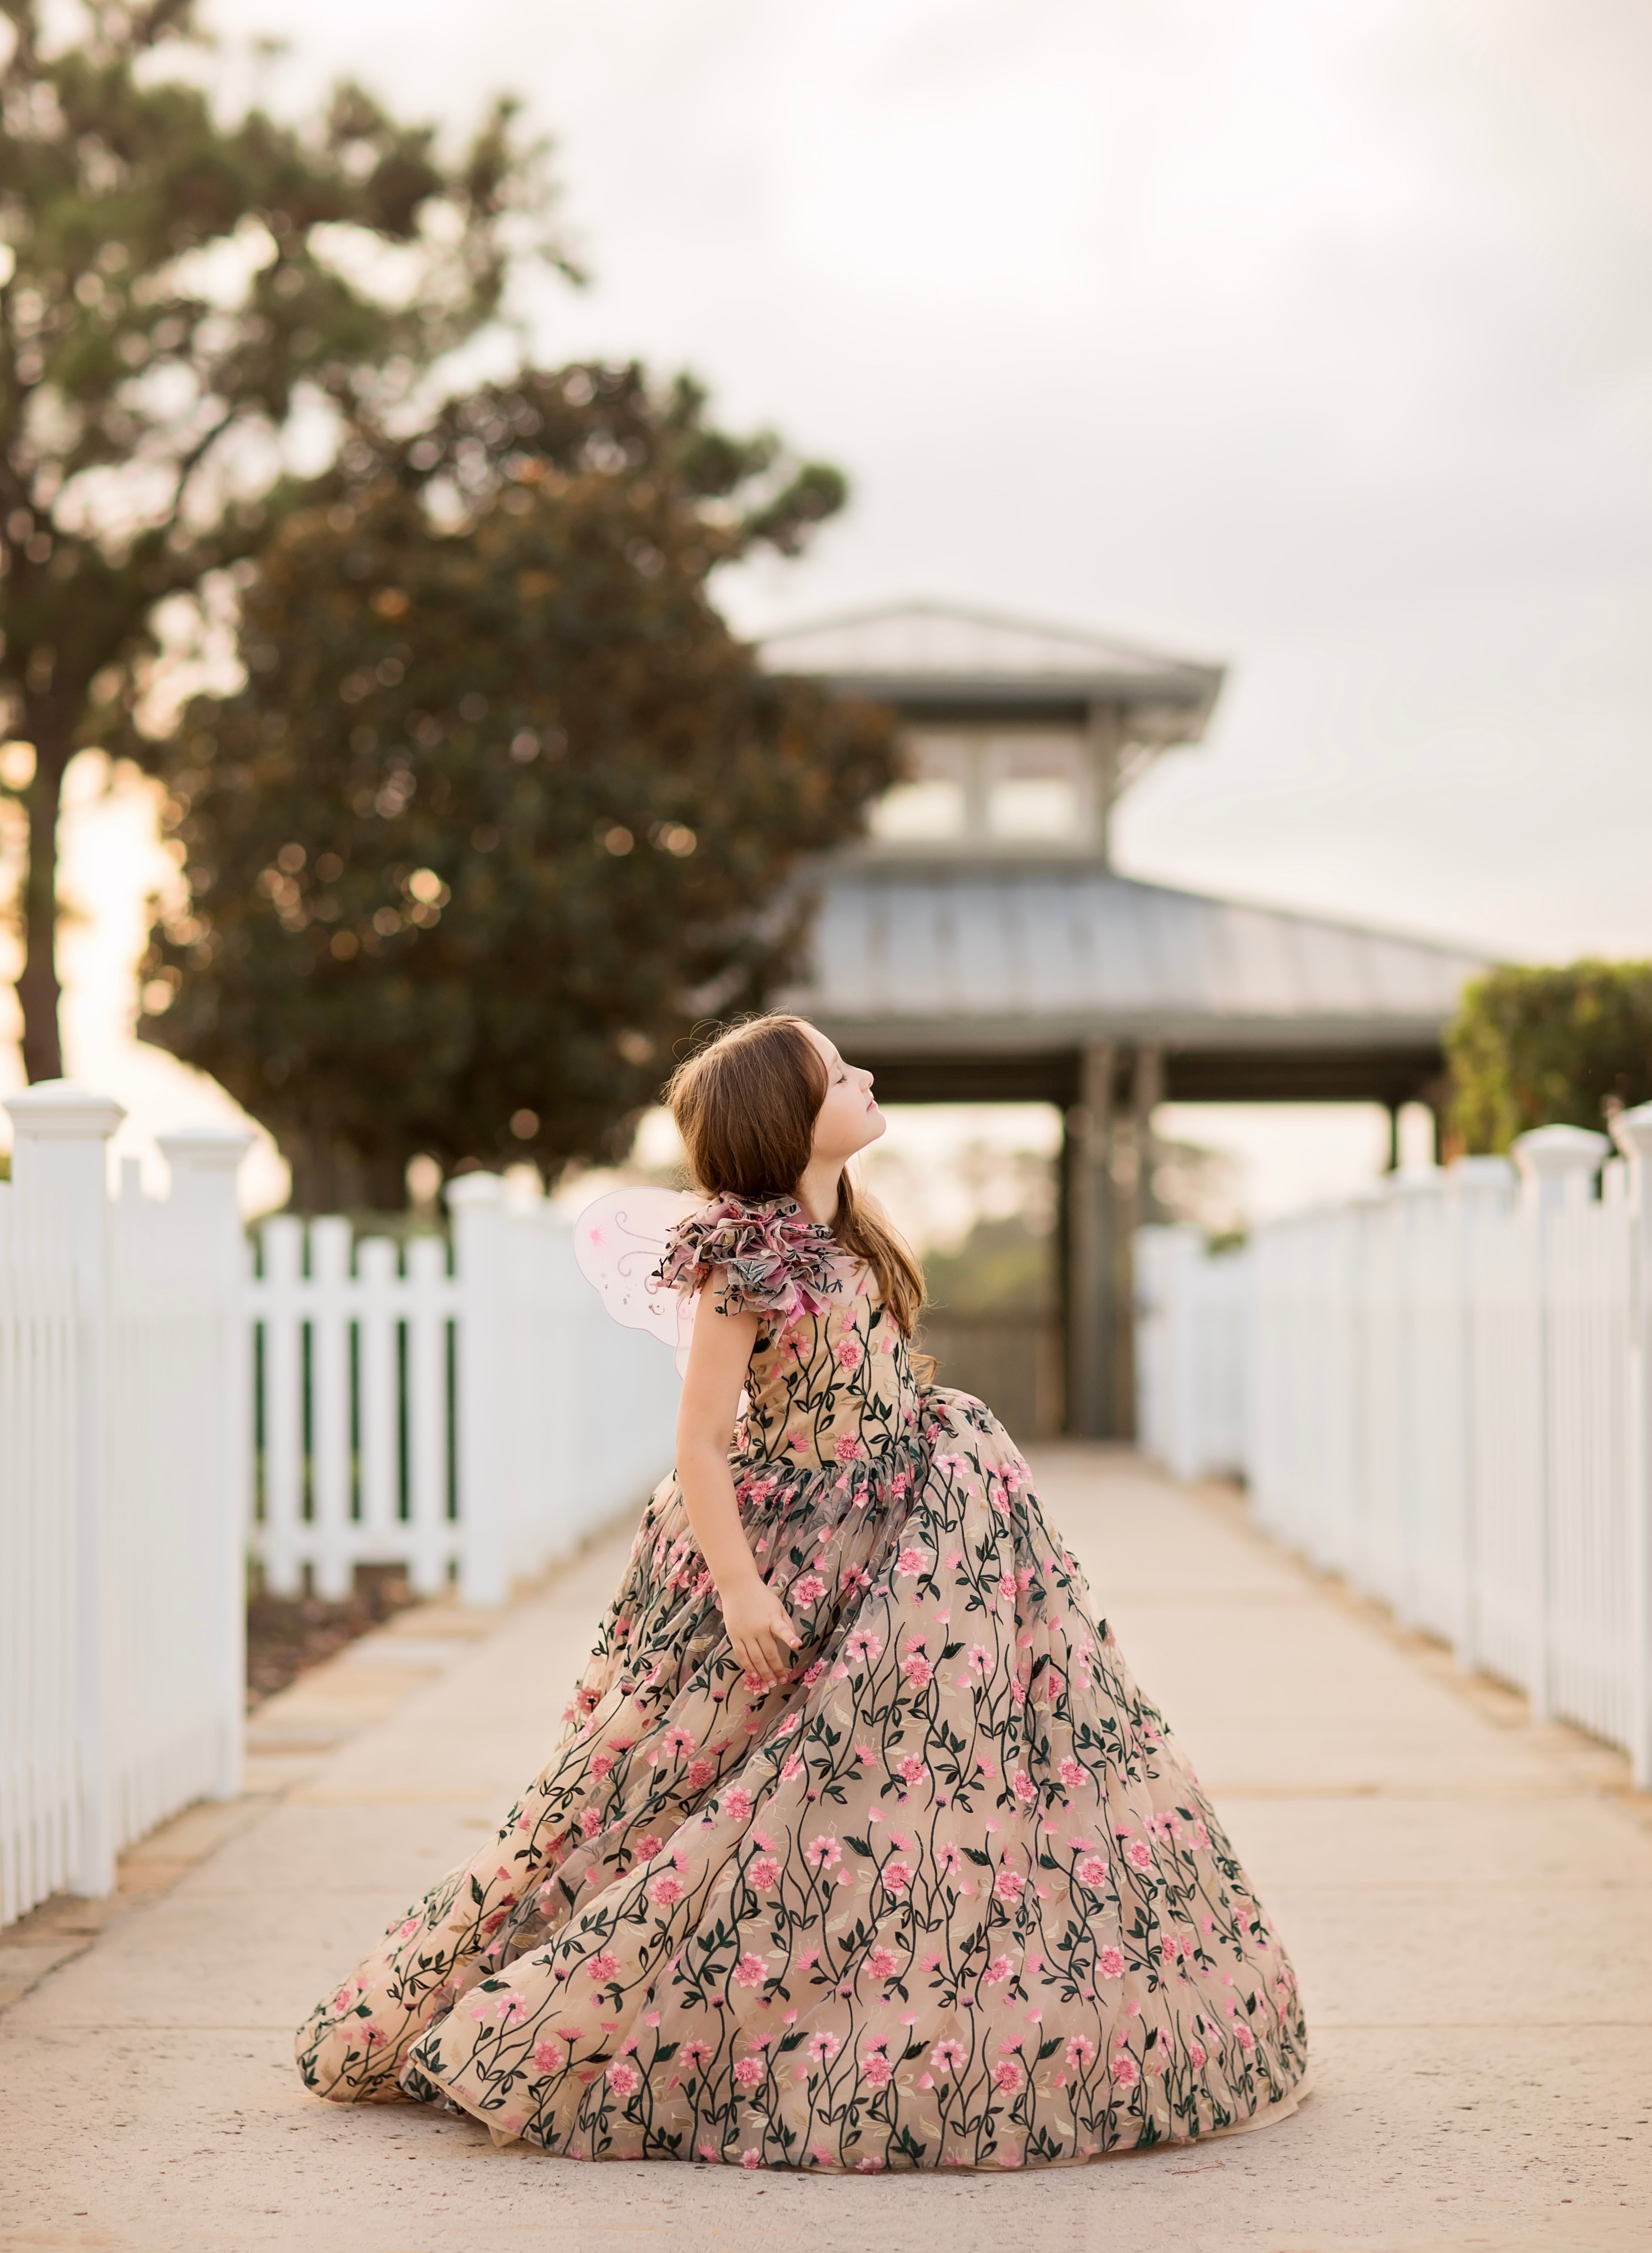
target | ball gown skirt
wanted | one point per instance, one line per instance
(949, 1896)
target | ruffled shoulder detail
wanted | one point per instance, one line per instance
(767, 1258)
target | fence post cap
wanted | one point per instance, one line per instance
(210, 1149)
(472, 1189)
(1632, 1131)
(1413, 1180)
(63, 1109)
(1560, 1150)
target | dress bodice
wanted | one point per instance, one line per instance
(830, 1383)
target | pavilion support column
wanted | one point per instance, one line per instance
(1146, 1093)
(1089, 1204)
(1136, 1204)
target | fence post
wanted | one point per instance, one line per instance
(481, 1261)
(1633, 1133)
(204, 1162)
(1557, 1165)
(1479, 1189)
(59, 1171)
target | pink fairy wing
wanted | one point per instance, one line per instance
(619, 1240)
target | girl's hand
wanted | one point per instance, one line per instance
(760, 1631)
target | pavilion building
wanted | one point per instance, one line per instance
(981, 946)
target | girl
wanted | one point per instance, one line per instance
(864, 1850)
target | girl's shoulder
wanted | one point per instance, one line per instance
(757, 1255)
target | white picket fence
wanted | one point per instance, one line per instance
(1446, 1393)
(124, 1416)
(1192, 1353)
(165, 1409)
(478, 1423)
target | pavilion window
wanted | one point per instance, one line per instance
(1035, 788)
(934, 805)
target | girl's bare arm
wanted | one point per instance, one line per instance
(758, 1624)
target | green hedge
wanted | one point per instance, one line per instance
(1537, 1048)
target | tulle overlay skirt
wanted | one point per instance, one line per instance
(950, 1897)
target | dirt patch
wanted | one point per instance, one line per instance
(288, 1634)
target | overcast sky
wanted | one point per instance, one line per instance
(1315, 337)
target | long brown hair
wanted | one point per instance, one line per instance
(745, 1105)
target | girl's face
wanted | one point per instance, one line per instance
(849, 1117)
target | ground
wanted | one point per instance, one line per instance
(1465, 1894)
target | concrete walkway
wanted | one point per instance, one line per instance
(1468, 1900)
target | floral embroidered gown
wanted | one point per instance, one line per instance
(949, 1896)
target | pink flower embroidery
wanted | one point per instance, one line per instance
(764, 1871)
(876, 2070)
(1092, 1871)
(1007, 2075)
(1196, 2052)
(548, 2057)
(737, 1802)
(883, 1964)
(808, 1588)
(911, 1770)
(623, 2078)
(749, 2071)
(602, 1966)
(1110, 1962)
(948, 2056)
(1023, 1787)
(1138, 1854)
(590, 1822)
(751, 1970)
(696, 2052)
(911, 1563)
(917, 1670)
(1123, 2071)
(981, 1659)
(667, 1888)
(700, 1775)
(1008, 1884)
(896, 1877)
(998, 1971)
(823, 1851)
(849, 1449)
(1081, 2051)
(848, 1353)
(862, 1645)
(824, 2046)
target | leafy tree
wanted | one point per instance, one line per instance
(503, 806)
(1536, 1047)
(175, 292)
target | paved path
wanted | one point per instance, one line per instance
(1467, 1899)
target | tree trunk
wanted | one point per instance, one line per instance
(38, 988)
(329, 1175)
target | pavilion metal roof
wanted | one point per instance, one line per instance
(938, 654)
(1017, 954)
